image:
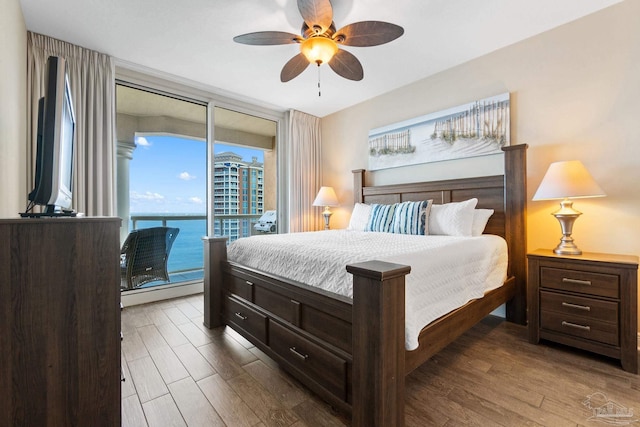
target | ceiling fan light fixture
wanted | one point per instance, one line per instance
(318, 50)
(319, 41)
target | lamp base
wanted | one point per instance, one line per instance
(327, 215)
(566, 216)
(566, 247)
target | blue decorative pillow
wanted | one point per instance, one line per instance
(381, 218)
(411, 217)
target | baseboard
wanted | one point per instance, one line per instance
(147, 295)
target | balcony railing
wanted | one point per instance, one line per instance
(186, 257)
(163, 218)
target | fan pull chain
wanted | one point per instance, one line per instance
(319, 92)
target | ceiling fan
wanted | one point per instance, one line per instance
(319, 40)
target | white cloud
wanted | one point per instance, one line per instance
(196, 200)
(141, 141)
(186, 176)
(146, 196)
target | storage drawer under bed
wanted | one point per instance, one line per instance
(243, 317)
(320, 365)
(306, 311)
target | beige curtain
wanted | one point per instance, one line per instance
(91, 76)
(305, 172)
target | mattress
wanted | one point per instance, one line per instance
(446, 272)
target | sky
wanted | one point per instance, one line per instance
(169, 174)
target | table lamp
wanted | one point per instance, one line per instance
(567, 180)
(326, 197)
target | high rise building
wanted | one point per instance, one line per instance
(237, 190)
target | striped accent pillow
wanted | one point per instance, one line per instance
(411, 217)
(381, 218)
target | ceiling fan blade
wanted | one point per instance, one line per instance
(317, 14)
(293, 68)
(264, 38)
(368, 33)
(346, 65)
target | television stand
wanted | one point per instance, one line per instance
(60, 322)
(47, 214)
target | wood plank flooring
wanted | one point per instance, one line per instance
(179, 373)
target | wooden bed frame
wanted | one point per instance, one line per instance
(351, 352)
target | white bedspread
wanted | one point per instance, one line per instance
(446, 272)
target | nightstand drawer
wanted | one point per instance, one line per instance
(577, 326)
(590, 308)
(584, 282)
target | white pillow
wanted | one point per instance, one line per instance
(480, 219)
(359, 217)
(452, 219)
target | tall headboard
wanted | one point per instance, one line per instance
(505, 194)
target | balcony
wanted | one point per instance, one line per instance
(186, 258)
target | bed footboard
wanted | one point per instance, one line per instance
(215, 253)
(351, 353)
(378, 343)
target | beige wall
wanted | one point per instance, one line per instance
(575, 94)
(13, 95)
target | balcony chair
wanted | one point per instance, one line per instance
(144, 256)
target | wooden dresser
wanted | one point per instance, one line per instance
(59, 322)
(588, 301)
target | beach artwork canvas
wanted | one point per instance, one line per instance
(478, 128)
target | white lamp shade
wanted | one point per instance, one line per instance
(326, 197)
(568, 179)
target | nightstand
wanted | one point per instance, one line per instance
(587, 301)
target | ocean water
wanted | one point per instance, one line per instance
(187, 252)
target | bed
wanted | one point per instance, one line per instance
(351, 351)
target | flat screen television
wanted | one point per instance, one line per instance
(53, 178)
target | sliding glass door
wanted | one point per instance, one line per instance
(244, 178)
(162, 177)
(194, 165)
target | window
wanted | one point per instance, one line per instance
(244, 152)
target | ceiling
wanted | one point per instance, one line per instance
(192, 40)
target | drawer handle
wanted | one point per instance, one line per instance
(240, 316)
(574, 325)
(576, 281)
(579, 307)
(303, 357)
(248, 283)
